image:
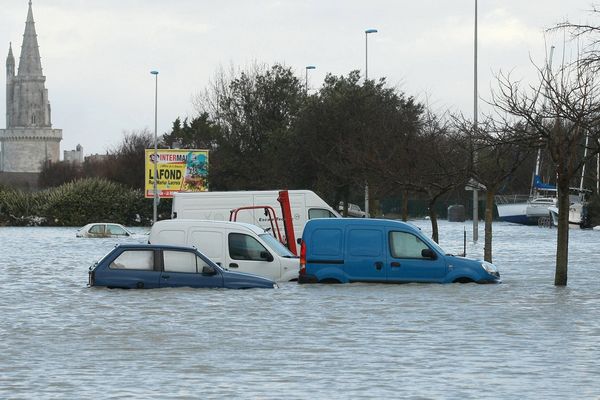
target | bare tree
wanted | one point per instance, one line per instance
(500, 153)
(588, 37)
(430, 160)
(559, 116)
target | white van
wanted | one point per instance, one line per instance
(233, 245)
(304, 205)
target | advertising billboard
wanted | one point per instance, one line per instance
(178, 170)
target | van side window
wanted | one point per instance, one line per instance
(179, 261)
(406, 245)
(320, 213)
(244, 247)
(134, 259)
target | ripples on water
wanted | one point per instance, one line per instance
(524, 338)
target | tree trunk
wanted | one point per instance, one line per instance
(434, 224)
(405, 205)
(562, 241)
(489, 216)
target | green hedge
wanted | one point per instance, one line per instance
(78, 203)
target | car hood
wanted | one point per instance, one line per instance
(244, 280)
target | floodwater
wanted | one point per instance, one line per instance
(523, 338)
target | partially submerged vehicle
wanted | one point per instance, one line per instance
(145, 266)
(217, 206)
(103, 230)
(378, 250)
(233, 245)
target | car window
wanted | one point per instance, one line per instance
(200, 264)
(406, 245)
(245, 247)
(320, 213)
(179, 261)
(97, 229)
(115, 230)
(134, 259)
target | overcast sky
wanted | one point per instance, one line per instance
(97, 54)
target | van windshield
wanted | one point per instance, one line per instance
(276, 246)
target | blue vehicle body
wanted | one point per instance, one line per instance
(378, 250)
(146, 266)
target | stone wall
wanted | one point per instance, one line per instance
(26, 149)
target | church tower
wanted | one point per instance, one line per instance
(28, 142)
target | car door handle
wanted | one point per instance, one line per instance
(233, 265)
(378, 265)
(395, 264)
(165, 276)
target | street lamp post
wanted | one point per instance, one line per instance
(366, 78)
(155, 161)
(306, 77)
(367, 52)
(475, 193)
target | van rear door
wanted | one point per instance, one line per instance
(365, 254)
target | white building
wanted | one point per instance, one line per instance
(74, 156)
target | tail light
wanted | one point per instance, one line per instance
(303, 257)
(91, 278)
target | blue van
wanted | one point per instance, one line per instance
(337, 250)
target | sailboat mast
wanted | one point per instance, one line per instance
(538, 160)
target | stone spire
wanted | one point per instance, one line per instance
(30, 63)
(10, 77)
(10, 62)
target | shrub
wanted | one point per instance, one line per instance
(77, 203)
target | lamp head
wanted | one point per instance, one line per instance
(154, 72)
(310, 67)
(371, 31)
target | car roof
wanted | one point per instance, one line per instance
(146, 246)
(256, 229)
(103, 223)
(339, 222)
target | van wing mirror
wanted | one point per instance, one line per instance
(209, 270)
(265, 255)
(428, 253)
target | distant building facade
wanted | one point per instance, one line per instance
(29, 141)
(74, 156)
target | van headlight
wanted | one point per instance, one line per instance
(490, 268)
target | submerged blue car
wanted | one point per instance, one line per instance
(145, 266)
(341, 250)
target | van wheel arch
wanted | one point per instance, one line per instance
(329, 280)
(463, 279)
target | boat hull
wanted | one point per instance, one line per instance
(525, 212)
(516, 213)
